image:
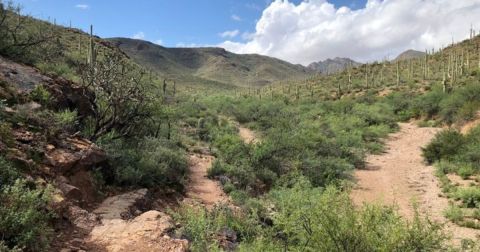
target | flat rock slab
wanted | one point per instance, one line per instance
(147, 232)
(114, 207)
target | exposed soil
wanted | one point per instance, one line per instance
(247, 135)
(401, 177)
(200, 188)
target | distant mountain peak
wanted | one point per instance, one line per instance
(330, 66)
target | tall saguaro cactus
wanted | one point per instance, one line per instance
(92, 52)
(398, 72)
(366, 76)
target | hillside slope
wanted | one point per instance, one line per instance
(409, 54)
(214, 64)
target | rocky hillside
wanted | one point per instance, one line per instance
(331, 66)
(212, 64)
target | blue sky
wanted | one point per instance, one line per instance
(173, 22)
(298, 31)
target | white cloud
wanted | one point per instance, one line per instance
(229, 34)
(158, 42)
(139, 35)
(248, 36)
(236, 18)
(188, 45)
(82, 6)
(315, 30)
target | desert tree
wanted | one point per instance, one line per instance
(120, 100)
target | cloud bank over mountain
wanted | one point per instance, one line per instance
(315, 30)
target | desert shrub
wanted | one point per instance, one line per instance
(6, 134)
(218, 168)
(322, 171)
(428, 105)
(470, 196)
(312, 219)
(148, 162)
(24, 222)
(454, 213)
(40, 95)
(201, 226)
(468, 111)
(8, 173)
(445, 144)
(465, 170)
(66, 119)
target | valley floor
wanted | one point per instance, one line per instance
(400, 176)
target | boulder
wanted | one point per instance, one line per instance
(74, 155)
(70, 192)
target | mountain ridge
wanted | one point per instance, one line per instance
(210, 63)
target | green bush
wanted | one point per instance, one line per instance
(470, 196)
(6, 135)
(454, 213)
(446, 144)
(66, 119)
(218, 168)
(40, 95)
(148, 162)
(24, 222)
(8, 173)
(312, 219)
(201, 226)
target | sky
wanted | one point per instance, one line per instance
(299, 31)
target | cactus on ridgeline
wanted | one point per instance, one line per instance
(297, 93)
(398, 72)
(425, 66)
(92, 51)
(444, 80)
(366, 75)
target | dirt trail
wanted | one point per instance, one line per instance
(247, 135)
(401, 177)
(200, 188)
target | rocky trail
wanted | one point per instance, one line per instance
(401, 177)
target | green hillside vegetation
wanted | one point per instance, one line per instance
(291, 188)
(210, 64)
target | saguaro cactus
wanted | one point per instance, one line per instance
(92, 52)
(398, 72)
(366, 76)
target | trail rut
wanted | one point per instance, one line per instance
(401, 177)
(200, 188)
